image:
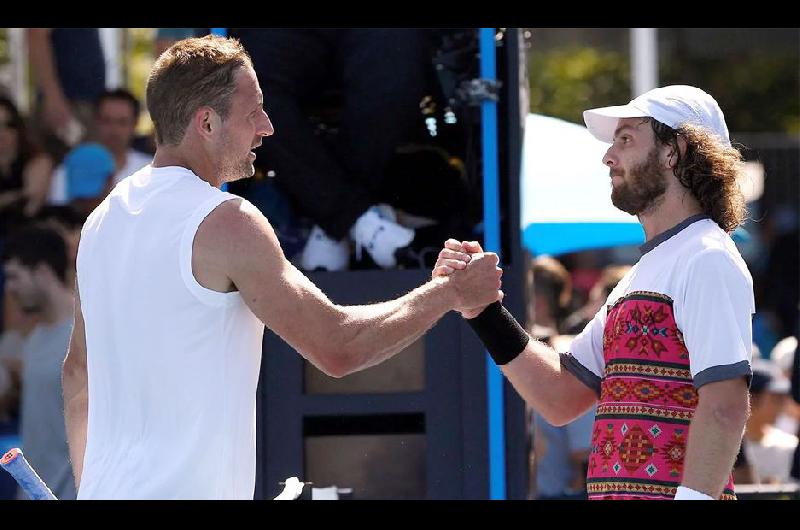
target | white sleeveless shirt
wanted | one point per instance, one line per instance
(172, 366)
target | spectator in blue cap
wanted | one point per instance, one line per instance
(88, 169)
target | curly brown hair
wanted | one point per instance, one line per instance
(710, 170)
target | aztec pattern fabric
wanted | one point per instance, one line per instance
(647, 400)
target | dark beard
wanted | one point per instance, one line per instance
(642, 188)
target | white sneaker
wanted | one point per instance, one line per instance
(322, 252)
(378, 233)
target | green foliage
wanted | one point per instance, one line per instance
(138, 62)
(566, 81)
(4, 57)
(757, 92)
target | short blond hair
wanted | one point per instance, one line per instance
(190, 74)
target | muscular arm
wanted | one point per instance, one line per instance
(539, 377)
(76, 393)
(537, 373)
(715, 435)
(237, 241)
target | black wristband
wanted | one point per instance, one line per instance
(500, 332)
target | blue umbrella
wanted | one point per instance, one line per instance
(566, 191)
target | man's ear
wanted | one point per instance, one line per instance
(670, 158)
(671, 155)
(206, 121)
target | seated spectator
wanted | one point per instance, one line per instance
(25, 170)
(550, 287)
(116, 114)
(67, 221)
(17, 326)
(84, 179)
(783, 355)
(35, 263)
(769, 449)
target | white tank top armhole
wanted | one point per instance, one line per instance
(203, 294)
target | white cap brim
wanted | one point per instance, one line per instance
(602, 122)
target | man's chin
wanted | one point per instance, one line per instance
(248, 170)
(245, 173)
(623, 207)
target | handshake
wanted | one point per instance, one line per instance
(473, 273)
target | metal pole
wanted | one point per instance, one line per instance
(644, 60)
(491, 227)
(111, 43)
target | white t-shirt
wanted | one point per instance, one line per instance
(697, 266)
(172, 366)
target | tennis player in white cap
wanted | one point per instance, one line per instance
(667, 358)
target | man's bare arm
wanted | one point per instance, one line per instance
(715, 435)
(536, 373)
(542, 381)
(76, 393)
(235, 241)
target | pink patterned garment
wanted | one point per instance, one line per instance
(646, 403)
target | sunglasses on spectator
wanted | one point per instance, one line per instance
(8, 124)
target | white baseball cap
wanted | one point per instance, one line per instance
(673, 105)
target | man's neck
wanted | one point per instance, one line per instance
(178, 156)
(675, 207)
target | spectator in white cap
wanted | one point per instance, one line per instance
(666, 358)
(769, 449)
(783, 356)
